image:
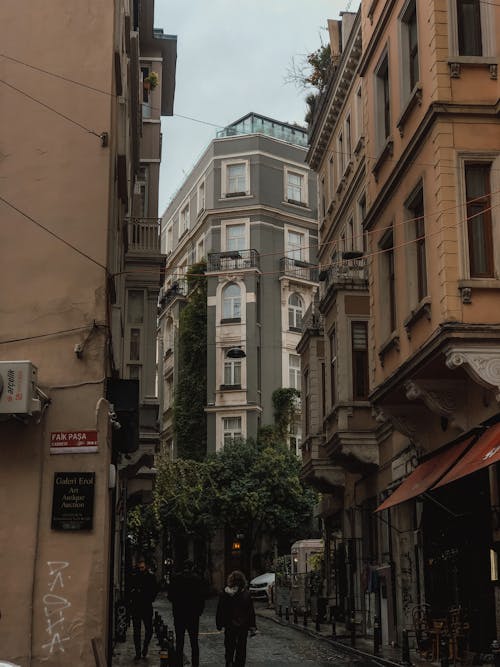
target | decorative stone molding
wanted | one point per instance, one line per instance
(481, 363)
(494, 71)
(455, 70)
(466, 294)
(439, 397)
(401, 419)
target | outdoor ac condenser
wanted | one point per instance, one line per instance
(18, 395)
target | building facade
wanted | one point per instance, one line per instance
(249, 209)
(425, 545)
(69, 404)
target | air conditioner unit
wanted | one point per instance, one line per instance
(18, 395)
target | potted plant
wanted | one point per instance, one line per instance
(151, 81)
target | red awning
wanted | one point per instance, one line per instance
(482, 454)
(427, 474)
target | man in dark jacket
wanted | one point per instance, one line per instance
(235, 613)
(186, 592)
(142, 593)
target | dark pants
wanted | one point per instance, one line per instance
(192, 626)
(140, 616)
(235, 643)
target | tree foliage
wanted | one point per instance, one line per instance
(285, 402)
(190, 392)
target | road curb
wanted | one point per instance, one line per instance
(343, 648)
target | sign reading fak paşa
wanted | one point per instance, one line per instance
(73, 500)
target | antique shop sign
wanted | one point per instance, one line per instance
(73, 500)
(73, 442)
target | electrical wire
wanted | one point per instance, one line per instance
(51, 333)
(49, 231)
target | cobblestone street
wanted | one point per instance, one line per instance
(273, 645)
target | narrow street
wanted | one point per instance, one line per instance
(273, 645)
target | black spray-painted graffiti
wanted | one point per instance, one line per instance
(54, 608)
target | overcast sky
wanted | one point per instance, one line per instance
(232, 58)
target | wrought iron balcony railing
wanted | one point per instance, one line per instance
(178, 288)
(233, 260)
(143, 235)
(344, 272)
(296, 268)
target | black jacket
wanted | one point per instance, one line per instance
(235, 611)
(186, 592)
(142, 590)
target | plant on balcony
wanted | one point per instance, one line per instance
(151, 81)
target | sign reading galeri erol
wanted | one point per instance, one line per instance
(73, 442)
(73, 500)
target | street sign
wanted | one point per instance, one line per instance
(73, 501)
(73, 442)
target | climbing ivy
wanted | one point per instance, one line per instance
(286, 409)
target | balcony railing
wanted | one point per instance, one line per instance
(296, 268)
(233, 260)
(144, 235)
(344, 272)
(178, 288)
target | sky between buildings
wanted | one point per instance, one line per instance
(233, 58)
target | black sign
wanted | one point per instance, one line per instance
(73, 500)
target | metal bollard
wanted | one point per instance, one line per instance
(287, 614)
(318, 623)
(280, 611)
(295, 616)
(444, 651)
(495, 649)
(305, 618)
(353, 629)
(334, 630)
(376, 636)
(405, 649)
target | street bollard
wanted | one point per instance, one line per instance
(318, 623)
(287, 614)
(334, 630)
(376, 636)
(353, 629)
(305, 618)
(280, 611)
(405, 649)
(444, 651)
(495, 649)
(295, 616)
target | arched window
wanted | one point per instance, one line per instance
(231, 302)
(295, 309)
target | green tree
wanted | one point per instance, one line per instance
(286, 411)
(190, 392)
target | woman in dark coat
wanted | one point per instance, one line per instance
(235, 613)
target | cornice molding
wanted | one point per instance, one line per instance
(482, 364)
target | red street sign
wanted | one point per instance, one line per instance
(73, 442)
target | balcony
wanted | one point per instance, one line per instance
(317, 468)
(295, 268)
(344, 273)
(177, 289)
(143, 235)
(233, 260)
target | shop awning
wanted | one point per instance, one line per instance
(427, 474)
(482, 454)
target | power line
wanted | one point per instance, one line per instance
(50, 333)
(49, 231)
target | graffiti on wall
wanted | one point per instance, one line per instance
(55, 604)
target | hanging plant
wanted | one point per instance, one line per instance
(151, 81)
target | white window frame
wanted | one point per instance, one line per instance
(294, 371)
(296, 312)
(231, 301)
(488, 24)
(200, 249)
(303, 175)
(234, 367)
(233, 222)
(201, 196)
(303, 249)
(359, 112)
(184, 219)
(232, 432)
(226, 164)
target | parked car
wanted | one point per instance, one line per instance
(259, 587)
(4, 663)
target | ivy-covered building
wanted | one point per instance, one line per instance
(248, 209)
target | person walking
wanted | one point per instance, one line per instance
(142, 593)
(187, 593)
(235, 613)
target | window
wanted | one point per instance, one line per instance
(141, 191)
(388, 292)
(418, 253)
(231, 429)
(295, 244)
(295, 187)
(201, 197)
(307, 405)
(235, 237)
(232, 372)
(359, 114)
(333, 363)
(294, 371)
(479, 228)
(383, 110)
(348, 138)
(200, 249)
(331, 178)
(231, 298)
(359, 342)
(341, 155)
(184, 220)
(135, 322)
(236, 179)
(295, 309)
(361, 216)
(470, 39)
(322, 198)
(409, 49)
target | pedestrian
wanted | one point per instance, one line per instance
(187, 593)
(235, 613)
(141, 595)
